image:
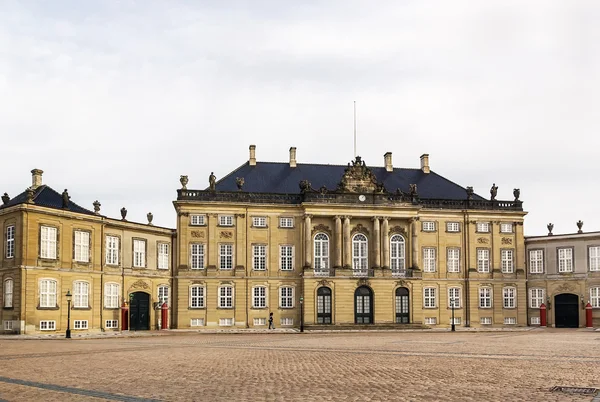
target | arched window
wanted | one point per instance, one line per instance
(359, 253)
(397, 259)
(321, 251)
(8, 293)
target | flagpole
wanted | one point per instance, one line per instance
(355, 129)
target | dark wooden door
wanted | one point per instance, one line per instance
(324, 305)
(139, 312)
(402, 306)
(363, 305)
(566, 310)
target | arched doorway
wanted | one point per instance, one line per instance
(402, 316)
(363, 305)
(566, 311)
(139, 311)
(323, 305)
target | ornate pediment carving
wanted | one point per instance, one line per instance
(358, 178)
(565, 287)
(321, 228)
(359, 229)
(483, 240)
(140, 284)
(507, 240)
(324, 282)
(397, 230)
(363, 282)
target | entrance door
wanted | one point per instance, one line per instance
(566, 310)
(363, 305)
(324, 305)
(402, 306)
(139, 312)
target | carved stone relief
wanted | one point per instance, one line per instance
(321, 228)
(396, 230)
(360, 229)
(363, 282)
(324, 282)
(226, 235)
(140, 284)
(507, 240)
(483, 240)
(198, 234)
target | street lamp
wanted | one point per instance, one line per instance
(452, 301)
(68, 334)
(301, 314)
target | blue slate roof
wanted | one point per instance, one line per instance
(280, 178)
(47, 197)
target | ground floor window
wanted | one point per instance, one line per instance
(111, 324)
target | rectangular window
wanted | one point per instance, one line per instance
(47, 293)
(507, 261)
(594, 256)
(226, 220)
(595, 297)
(139, 253)
(485, 320)
(47, 325)
(454, 297)
(226, 256)
(111, 324)
(197, 297)
(48, 242)
(80, 324)
(534, 321)
(286, 222)
(287, 258)
(82, 246)
(259, 297)
(8, 325)
(163, 256)
(483, 260)
(429, 226)
(429, 259)
(260, 322)
(8, 293)
(536, 297)
(510, 320)
(485, 297)
(286, 297)
(226, 297)
(197, 256)
(197, 220)
(452, 227)
(80, 294)
(163, 294)
(111, 295)
(225, 322)
(429, 300)
(259, 257)
(456, 321)
(286, 321)
(112, 250)
(10, 241)
(259, 222)
(483, 227)
(536, 261)
(453, 260)
(197, 322)
(506, 228)
(430, 320)
(565, 260)
(509, 295)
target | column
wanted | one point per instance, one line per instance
(415, 243)
(307, 241)
(376, 242)
(386, 242)
(338, 242)
(347, 243)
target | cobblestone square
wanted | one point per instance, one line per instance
(336, 366)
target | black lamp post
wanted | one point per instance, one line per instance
(452, 301)
(68, 334)
(301, 314)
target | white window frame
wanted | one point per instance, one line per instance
(286, 321)
(534, 320)
(8, 287)
(507, 258)
(428, 226)
(259, 296)
(8, 325)
(457, 320)
(196, 322)
(321, 251)
(360, 253)
(286, 257)
(259, 257)
(48, 242)
(197, 220)
(509, 297)
(429, 259)
(81, 294)
(111, 324)
(510, 320)
(482, 227)
(259, 322)
(139, 253)
(80, 324)
(565, 259)
(430, 320)
(594, 258)
(485, 297)
(10, 242)
(47, 291)
(452, 227)
(453, 259)
(454, 292)
(485, 320)
(259, 221)
(163, 255)
(429, 297)
(162, 294)
(226, 293)
(537, 296)
(81, 246)
(286, 222)
(397, 253)
(112, 250)
(225, 256)
(197, 296)
(197, 255)
(111, 295)
(506, 227)
(536, 261)
(225, 220)
(286, 297)
(226, 322)
(47, 325)
(483, 260)
(595, 297)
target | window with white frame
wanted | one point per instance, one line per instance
(536, 297)
(47, 325)
(506, 228)
(454, 297)
(594, 258)
(286, 222)
(48, 237)
(485, 297)
(259, 222)
(485, 320)
(226, 297)
(163, 294)
(536, 261)
(225, 220)
(429, 259)
(360, 261)
(259, 297)
(429, 226)
(260, 321)
(595, 297)
(429, 297)
(483, 227)
(456, 320)
(506, 256)
(534, 320)
(430, 320)
(81, 294)
(453, 259)
(197, 220)
(510, 320)
(163, 256)
(111, 324)
(286, 297)
(259, 257)
(483, 260)
(80, 324)
(452, 227)
(321, 244)
(112, 250)
(286, 254)
(225, 322)
(565, 260)
(197, 256)
(197, 296)
(509, 295)
(225, 256)
(197, 322)
(47, 293)
(286, 321)
(10, 241)
(139, 253)
(82, 246)
(397, 253)
(8, 325)
(111, 295)
(8, 293)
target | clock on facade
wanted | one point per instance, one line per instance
(362, 197)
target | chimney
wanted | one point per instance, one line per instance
(425, 163)
(252, 155)
(36, 178)
(387, 158)
(293, 157)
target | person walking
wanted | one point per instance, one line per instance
(271, 326)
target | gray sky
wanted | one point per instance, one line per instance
(115, 100)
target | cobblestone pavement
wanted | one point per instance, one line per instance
(367, 366)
